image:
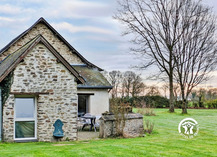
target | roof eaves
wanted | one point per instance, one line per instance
(19, 36)
(95, 87)
(16, 60)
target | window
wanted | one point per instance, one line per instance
(25, 118)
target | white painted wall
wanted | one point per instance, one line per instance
(99, 102)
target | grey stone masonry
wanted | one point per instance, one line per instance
(41, 73)
(133, 125)
(50, 37)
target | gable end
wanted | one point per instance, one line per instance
(42, 20)
(14, 59)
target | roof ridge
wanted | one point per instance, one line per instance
(41, 19)
(6, 66)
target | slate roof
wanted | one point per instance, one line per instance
(93, 78)
(89, 74)
(11, 61)
(42, 20)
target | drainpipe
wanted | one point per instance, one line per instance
(0, 114)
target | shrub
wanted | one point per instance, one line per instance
(159, 101)
(146, 111)
(178, 104)
(211, 103)
(149, 112)
(195, 105)
(149, 126)
(120, 109)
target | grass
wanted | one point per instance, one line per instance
(165, 140)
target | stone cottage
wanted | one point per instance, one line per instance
(42, 79)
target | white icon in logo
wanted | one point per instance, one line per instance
(188, 127)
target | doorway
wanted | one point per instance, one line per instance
(83, 104)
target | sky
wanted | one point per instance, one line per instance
(86, 24)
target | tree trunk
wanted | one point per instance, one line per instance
(171, 94)
(184, 101)
(133, 93)
(200, 101)
(184, 106)
(113, 96)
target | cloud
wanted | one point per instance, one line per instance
(7, 19)
(31, 1)
(9, 9)
(11, 22)
(14, 10)
(76, 29)
(108, 39)
(62, 9)
(79, 9)
(86, 9)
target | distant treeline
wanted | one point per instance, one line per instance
(145, 101)
(157, 101)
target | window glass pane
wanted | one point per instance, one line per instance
(24, 107)
(25, 129)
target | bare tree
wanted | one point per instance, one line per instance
(195, 52)
(211, 93)
(132, 84)
(115, 79)
(176, 91)
(165, 88)
(153, 24)
(122, 88)
(176, 36)
(137, 85)
(127, 82)
(153, 91)
(203, 94)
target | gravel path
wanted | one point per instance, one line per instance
(87, 135)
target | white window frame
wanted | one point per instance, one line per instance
(26, 119)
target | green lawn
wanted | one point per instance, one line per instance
(165, 141)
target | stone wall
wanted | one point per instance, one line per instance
(8, 119)
(40, 73)
(133, 126)
(51, 38)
